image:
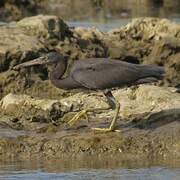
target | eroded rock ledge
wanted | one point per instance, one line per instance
(149, 120)
(33, 112)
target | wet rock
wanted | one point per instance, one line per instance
(88, 33)
(138, 102)
(151, 108)
(13, 43)
(13, 10)
(45, 27)
(24, 107)
(149, 41)
(25, 40)
(23, 100)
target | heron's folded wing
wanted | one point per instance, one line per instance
(105, 74)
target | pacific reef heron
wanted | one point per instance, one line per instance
(96, 74)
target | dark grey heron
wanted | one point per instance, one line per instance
(97, 74)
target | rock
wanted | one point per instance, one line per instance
(140, 102)
(13, 10)
(13, 43)
(149, 41)
(173, 69)
(25, 100)
(160, 105)
(146, 99)
(25, 107)
(26, 40)
(88, 33)
(45, 27)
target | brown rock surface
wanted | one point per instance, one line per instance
(154, 113)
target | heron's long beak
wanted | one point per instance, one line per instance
(37, 61)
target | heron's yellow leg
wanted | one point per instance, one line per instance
(113, 122)
(83, 113)
(112, 104)
(80, 114)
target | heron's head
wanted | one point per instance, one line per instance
(51, 58)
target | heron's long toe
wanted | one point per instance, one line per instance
(77, 117)
(106, 130)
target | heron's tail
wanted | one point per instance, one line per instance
(153, 71)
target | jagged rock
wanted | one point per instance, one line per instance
(25, 39)
(150, 41)
(13, 10)
(25, 107)
(140, 102)
(25, 100)
(14, 43)
(45, 27)
(88, 33)
(160, 105)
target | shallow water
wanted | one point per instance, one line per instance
(155, 173)
(90, 168)
(114, 14)
(108, 25)
(12, 172)
(102, 26)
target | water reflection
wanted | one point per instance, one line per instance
(109, 25)
(67, 164)
(108, 14)
(104, 10)
(152, 173)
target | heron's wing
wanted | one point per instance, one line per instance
(101, 74)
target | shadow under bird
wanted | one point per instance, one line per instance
(96, 74)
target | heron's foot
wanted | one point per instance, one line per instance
(106, 130)
(76, 118)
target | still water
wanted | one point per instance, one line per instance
(108, 25)
(91, 167)
(16, 171)
(154, 173)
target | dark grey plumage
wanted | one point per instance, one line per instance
(96, 73)
(106, 73)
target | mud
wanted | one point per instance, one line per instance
(149, 116)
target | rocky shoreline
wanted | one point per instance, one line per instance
(29, 104)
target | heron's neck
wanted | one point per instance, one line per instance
(57, 73)
(58, 81)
